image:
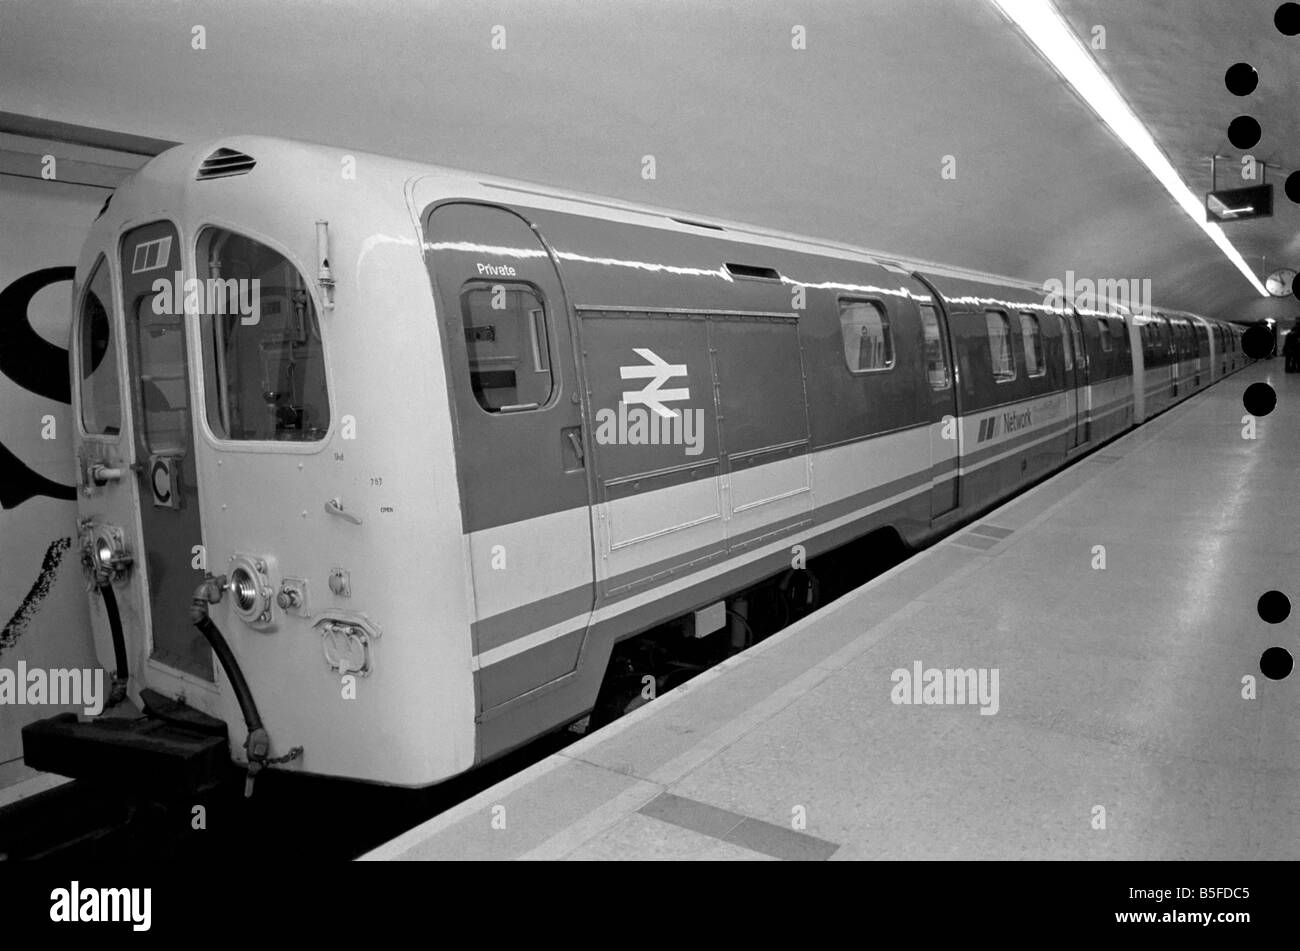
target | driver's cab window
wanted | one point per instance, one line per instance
(508, 346)
(263, 359)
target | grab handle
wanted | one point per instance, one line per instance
(334, 506)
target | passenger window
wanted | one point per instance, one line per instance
(1001, 358)
(868, 341)
(508, 342)
(101, 399)
(1032, 336)
(263, 361)
(1067, 345)
(936, 361)
(1103, 330)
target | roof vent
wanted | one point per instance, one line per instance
(224, 163)
(752, 272)
(695, 224)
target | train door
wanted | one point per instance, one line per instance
(158, 380)
(1070, 383)
(1202, 350)
(945, 491)
(520, 447)
(1080, 381)
(941, 378)
(1175, 354)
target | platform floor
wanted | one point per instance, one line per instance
(1118, 688)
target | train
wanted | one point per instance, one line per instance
(382, 465)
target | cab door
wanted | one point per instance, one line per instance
(521, 454)
(106, 500)
(136, 455)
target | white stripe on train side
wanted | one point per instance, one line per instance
(841, 472)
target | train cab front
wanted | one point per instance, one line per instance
(139, 530)
(261, 466)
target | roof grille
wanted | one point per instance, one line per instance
(224, 163)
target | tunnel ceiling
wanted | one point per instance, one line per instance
(845, 139)
(1168, 59)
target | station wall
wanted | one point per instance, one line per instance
(43, 609)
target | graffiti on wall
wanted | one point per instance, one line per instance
(41, 368)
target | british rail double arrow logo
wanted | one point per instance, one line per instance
(658, 371)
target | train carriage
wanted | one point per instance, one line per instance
(381, 470)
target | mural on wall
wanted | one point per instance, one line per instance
(44, 620)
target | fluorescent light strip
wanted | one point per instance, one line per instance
(1045, 28)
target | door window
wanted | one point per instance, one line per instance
(164, 385)
(1032, 336)
(508, 345)
(936, 361)
(1080, 350)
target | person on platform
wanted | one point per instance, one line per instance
(1291, 349)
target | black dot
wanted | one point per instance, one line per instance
(1293, 187)
(1244, 132)
(1258, 341)
(1259, 399)
(1287, 18)
(1274, 607)
(1241, 79)
(1275, 663)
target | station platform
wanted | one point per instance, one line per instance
(1120, 728)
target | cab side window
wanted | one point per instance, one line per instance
(508, 344)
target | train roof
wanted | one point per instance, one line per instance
(180, 168)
